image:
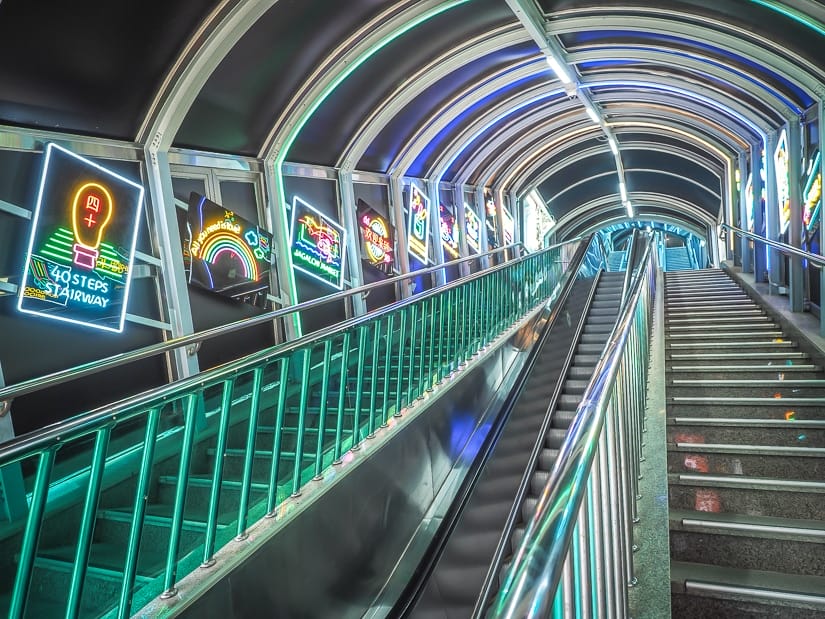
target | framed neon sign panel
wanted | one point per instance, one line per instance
(473, 228)
(79, 261)
(376, 236)
(490, 217)
(418, 224)
(811, 194)
(225, 253)
(317, 244)
(449, 232)
(749, 206)
(509, 227)
(783, 185)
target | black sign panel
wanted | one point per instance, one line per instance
(226, 253)
(79, 262)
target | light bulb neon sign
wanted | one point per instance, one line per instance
(82, 243)
(317, 244)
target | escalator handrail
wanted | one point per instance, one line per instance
(84, 423)
(536, 570)
(10, 392)
(628, 268)
(815, 259)
(408, 599)
(524, 487)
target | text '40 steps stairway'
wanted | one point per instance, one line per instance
(746, 457)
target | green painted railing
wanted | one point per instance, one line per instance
(162, 480)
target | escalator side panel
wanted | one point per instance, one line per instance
(458, 577)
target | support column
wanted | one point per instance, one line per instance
(772, 214)
(397, 209)
(350, 219)
(796, 285)
(464, 250)
(760, 255)
(172, 276)
(744, 243)
(13, 503)
(435, 229)
(820, 121)
(481, 211)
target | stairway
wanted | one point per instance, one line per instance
(456, 581)
(746, 457)
(616, 260)
(677, 259)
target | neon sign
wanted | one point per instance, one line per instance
(749, 206)
(812, 194)
(449, 232)
(376, 234)
(492, 227)
(82, 243)
(473, 228)
(226, 253)
(317, 244)
(418, 224)
(509, 227)
(783, 185)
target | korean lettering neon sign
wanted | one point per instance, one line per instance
(317, 244)
(81, 248)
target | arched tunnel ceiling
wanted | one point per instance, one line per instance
(454, 90)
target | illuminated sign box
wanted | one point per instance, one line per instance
(449, 232)
(418, 224)
(473, 228)
(79, 261)
(783, 185)
(226, 253)
(376, 236)
(317, 244)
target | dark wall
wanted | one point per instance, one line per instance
(31, 346)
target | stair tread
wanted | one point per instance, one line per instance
(756, 580)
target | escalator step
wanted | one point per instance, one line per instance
(563, 418)
(547, 458)
(539, 481)
(555, 437)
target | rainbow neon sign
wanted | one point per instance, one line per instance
(318, 244)
(376, 234)
(226, 253)
(82, 243)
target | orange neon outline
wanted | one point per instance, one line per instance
(102, 225)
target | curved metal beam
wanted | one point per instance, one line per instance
(643, 217)
(412, 87)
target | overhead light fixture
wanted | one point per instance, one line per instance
(629, 208)
(559, 70)
(593, 115)
(623, 191)
(613, 146)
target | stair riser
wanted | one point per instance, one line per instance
(775, 467)
(752, 391)
(155, 537)
(756, 502)
(787, 437)
(752, 411)
(687, 606)
(788, 556)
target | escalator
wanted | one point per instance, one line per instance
(516, 472)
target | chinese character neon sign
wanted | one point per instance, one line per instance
(226, 253)
(84, 229)
(473, 228)
(317, 244)
(449, 232)
(418, 224)
(376, 234)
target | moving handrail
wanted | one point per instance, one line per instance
(815, 259)
(533, 578)
(62, 376)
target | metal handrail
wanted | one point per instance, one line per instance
(391, 357)
(815, 259)
(77, 426)
(537, 567)
(10, 392)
